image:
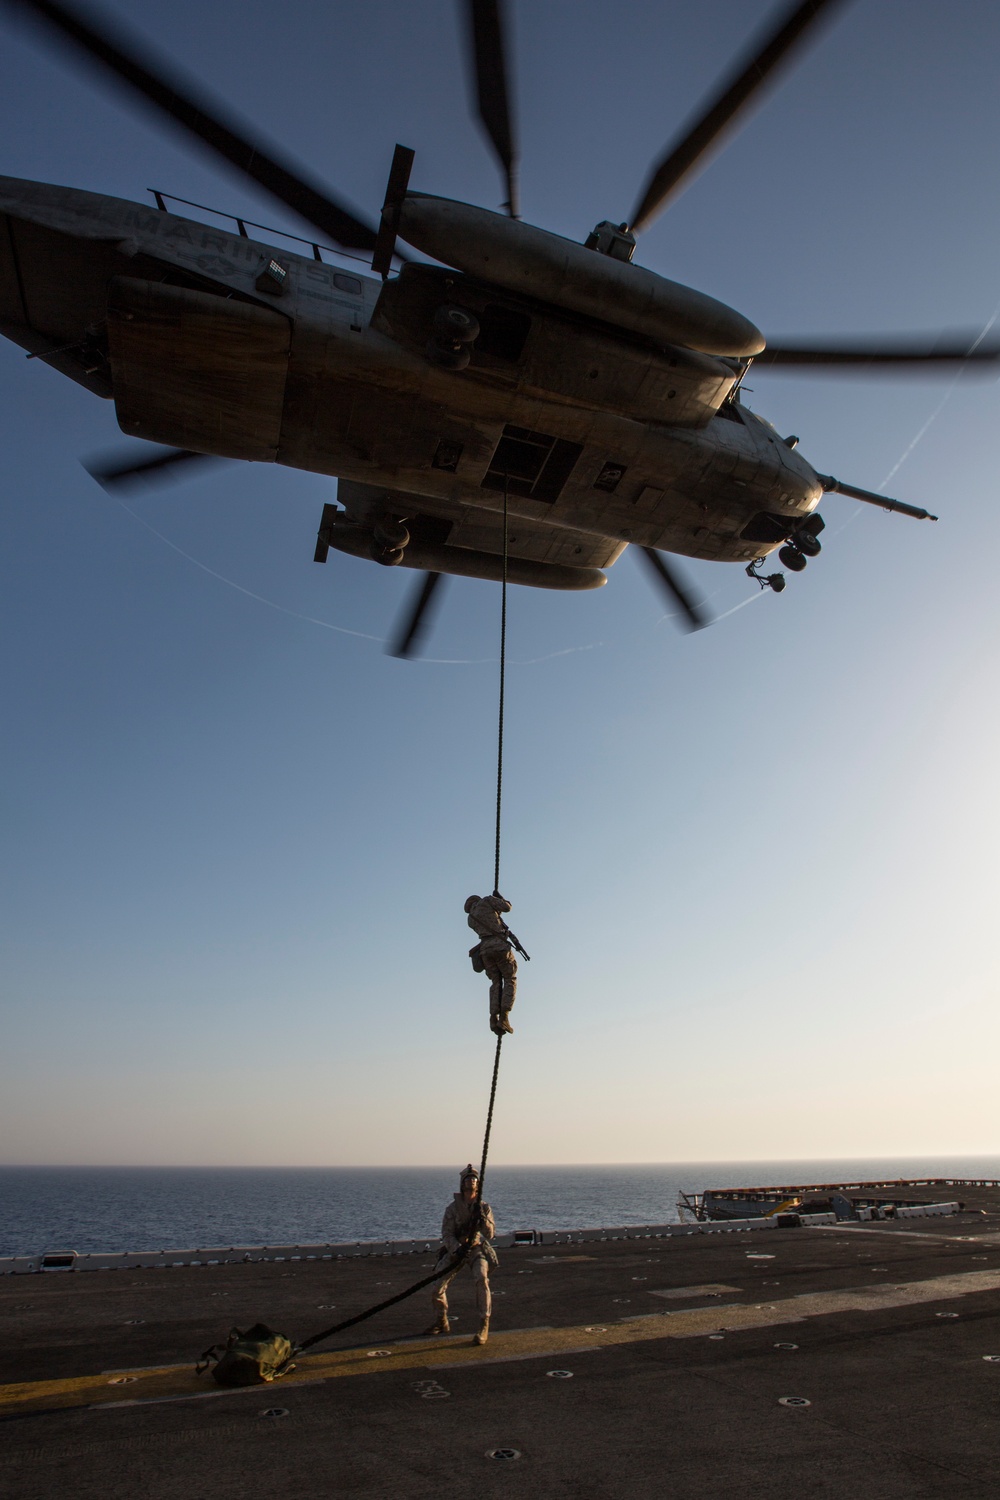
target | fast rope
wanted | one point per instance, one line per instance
(503, 676)
(464, 1249)
(457, 1258)
(219, 1350)
(496, 854)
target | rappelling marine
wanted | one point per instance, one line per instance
(494, 955)
(466, 1222)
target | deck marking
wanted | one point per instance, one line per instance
(179, 1382)
(510, 1359)
(200, 1395)
(710, 1289)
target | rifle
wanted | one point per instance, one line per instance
(514, 943)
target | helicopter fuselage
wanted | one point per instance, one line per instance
(597, 435)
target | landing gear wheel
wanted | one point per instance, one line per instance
(806, 535)
(391, 534)
(792, 559)
(454, 325)
(451, 356)
(389, 557)
(810, 545)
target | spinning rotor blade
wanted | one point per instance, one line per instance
(671, 175)
(693, 614)
(415, 624)
(948, 349)
(100, 40)
(486, 36)
(124, 474)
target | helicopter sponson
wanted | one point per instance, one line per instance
(548, 268)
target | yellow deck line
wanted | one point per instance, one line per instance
(179, 1382)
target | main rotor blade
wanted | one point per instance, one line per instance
(693, 615)
(944, 349)
(486, 38)
(157, 85)
(415, 624)
(175, 463)
(395, 192)
(678, 165)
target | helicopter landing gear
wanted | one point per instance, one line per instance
(451, 322)
(802, 544)
(447, 358)
(806, 536)
(389, 541)
(773, 581)
(455, 331)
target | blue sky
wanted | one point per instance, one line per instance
(755, 868)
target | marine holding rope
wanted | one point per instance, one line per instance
(496, 956)
(466, 1221)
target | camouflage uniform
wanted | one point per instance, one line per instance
(458, 1217)
(499, 963)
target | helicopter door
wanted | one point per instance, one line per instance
(195, 370)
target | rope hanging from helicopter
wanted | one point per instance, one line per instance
(503, 680)
(496, 847)
(216, 1355)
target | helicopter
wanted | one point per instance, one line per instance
(514, 406)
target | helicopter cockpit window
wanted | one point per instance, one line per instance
(345, 283)
(531, 464)
(731, 411)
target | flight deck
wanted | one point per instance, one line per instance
(836, 1358)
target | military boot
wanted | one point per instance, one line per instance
(484, 1332)
(505, 1025)
(440, 1324)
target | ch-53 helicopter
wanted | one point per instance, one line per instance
(519, 405)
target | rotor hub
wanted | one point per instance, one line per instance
(616, 240)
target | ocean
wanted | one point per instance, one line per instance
(158, 1208)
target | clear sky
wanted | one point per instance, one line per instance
(756, 868)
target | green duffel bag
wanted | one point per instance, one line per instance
(253, 1357)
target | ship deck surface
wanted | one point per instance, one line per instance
(678, 1353)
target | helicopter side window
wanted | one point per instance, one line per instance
(731, 412)
(531, 464)
(345, 283)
